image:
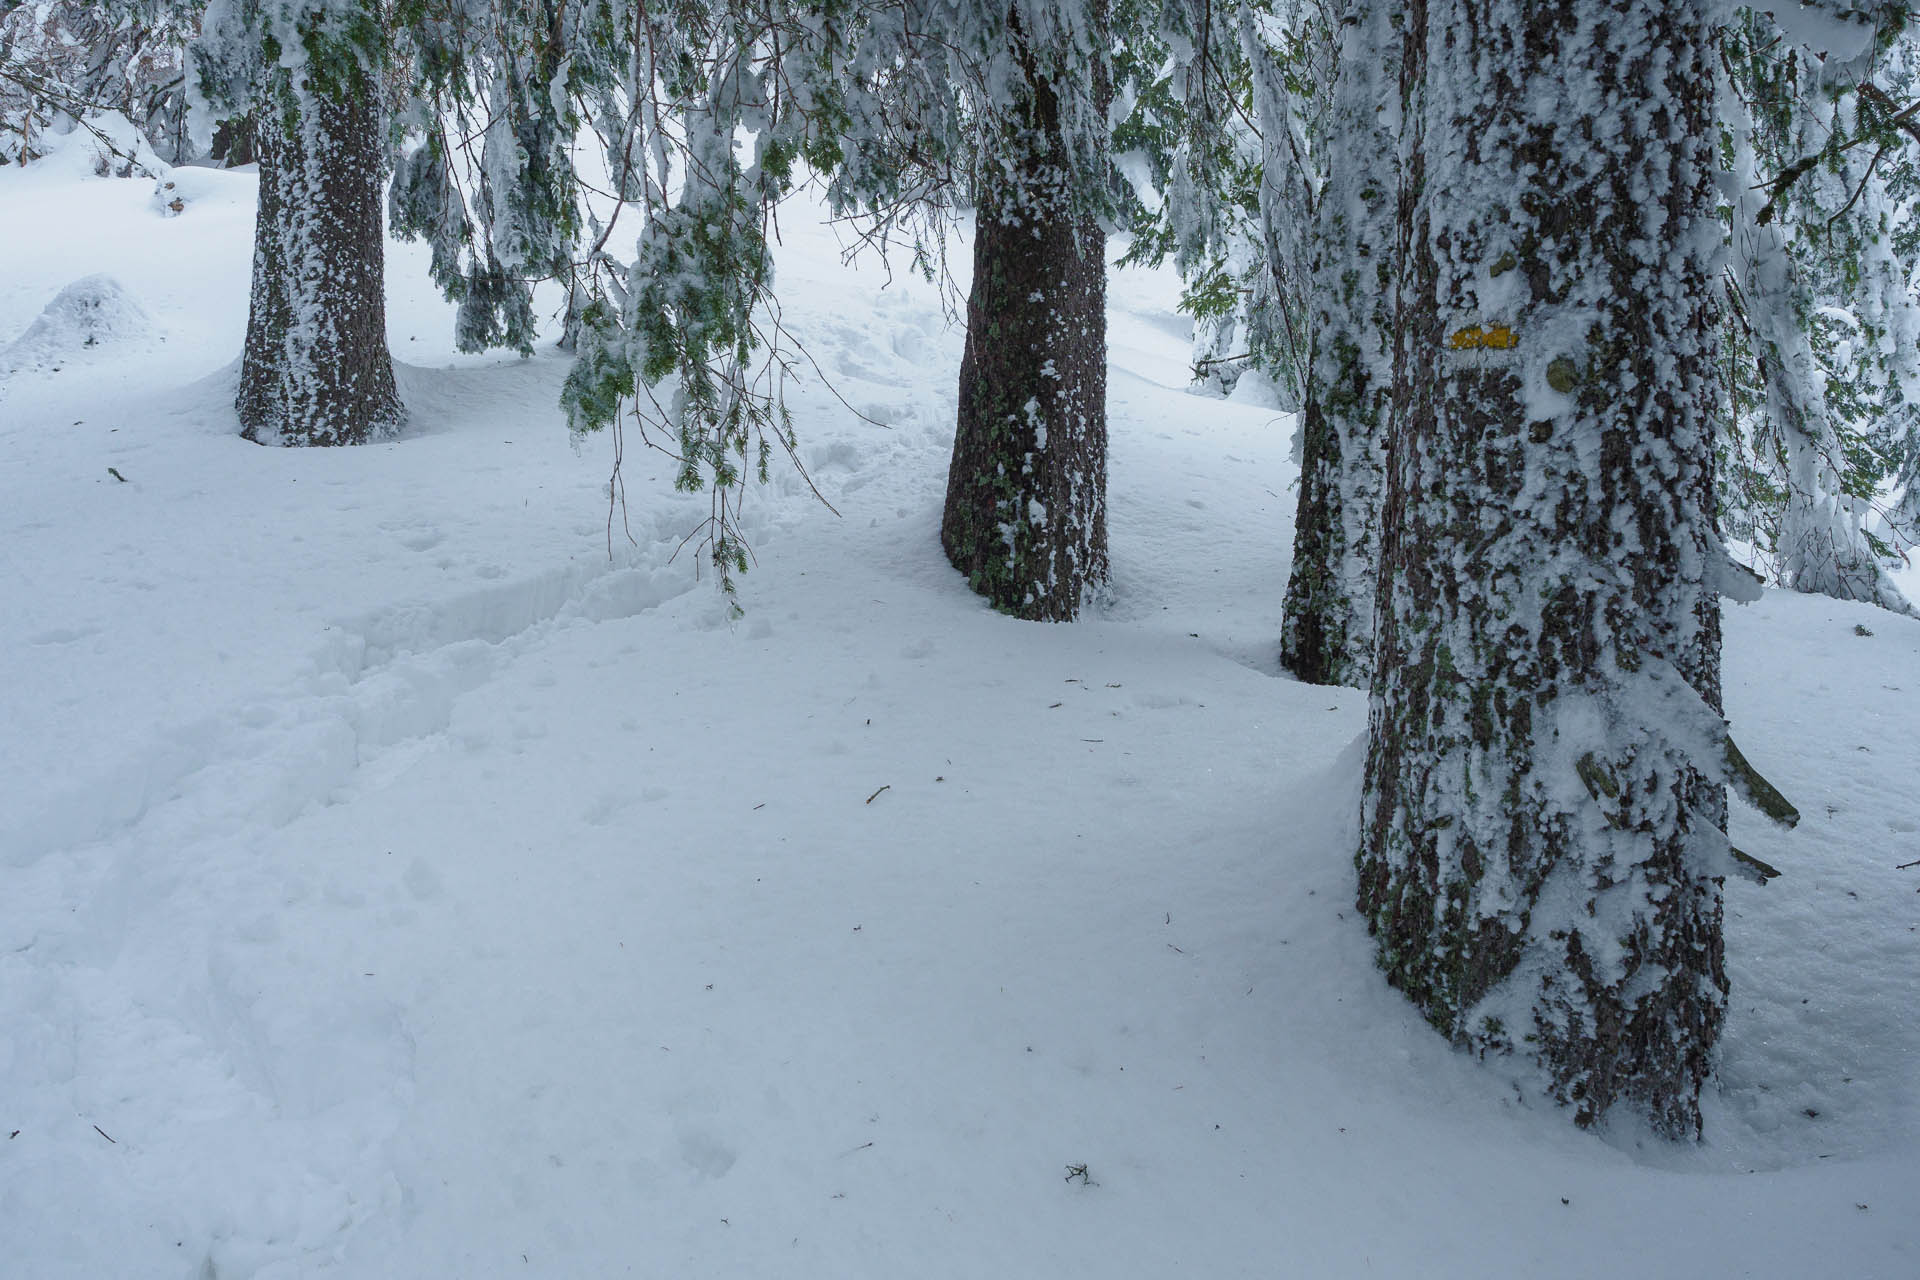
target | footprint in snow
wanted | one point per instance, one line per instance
(706, 1154)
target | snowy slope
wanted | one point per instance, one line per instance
(397, 884)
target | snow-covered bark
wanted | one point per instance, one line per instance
(1541, 843)
(1025, 515)
(1327, 637)
(315, 370)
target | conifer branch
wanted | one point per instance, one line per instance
(1756, 790)
(1755, 870)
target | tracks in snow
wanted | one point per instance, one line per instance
(379, 681)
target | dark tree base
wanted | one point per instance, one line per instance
(1313, 637)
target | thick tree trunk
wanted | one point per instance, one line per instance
(1541, 841)
(1026, 509)
(1327, 637)
(316, 369)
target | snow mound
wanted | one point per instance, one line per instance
(177, 190)
(92, 312)
(1256, 389)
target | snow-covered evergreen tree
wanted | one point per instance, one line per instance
(315, 369)
(63, 60)
(1289, 52)
(1314, 306)
(1188, 146)
(1003, 105)
(1821, 294)
(1542, 832)
(909, 109)
(682, 339)
(487, 174)
(1353, 287)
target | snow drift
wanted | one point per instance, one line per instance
(92, 313)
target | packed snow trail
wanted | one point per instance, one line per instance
(398, 885)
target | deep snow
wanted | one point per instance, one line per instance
(396, 884)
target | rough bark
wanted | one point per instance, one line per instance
(316, 369)
(1541, 836)
(1026, 516)
(1327, 635)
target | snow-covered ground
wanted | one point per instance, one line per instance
(395, 884)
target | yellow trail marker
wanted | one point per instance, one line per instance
(1475, 338)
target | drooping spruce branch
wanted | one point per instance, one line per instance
(1891, 117)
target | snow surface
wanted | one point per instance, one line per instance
(398, 885)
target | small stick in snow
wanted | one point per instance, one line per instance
(1904, 865)
(116, 475)
(103, 1133)
(876, 795)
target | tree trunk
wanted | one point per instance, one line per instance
(1026, 509)
(1327, 637)
(1541, 840)
(316, 369)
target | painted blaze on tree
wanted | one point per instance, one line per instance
(1542, 831)
(1026, 511)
